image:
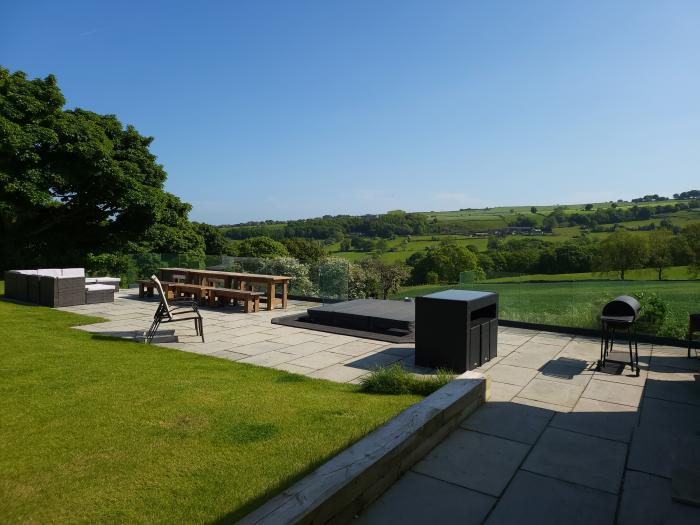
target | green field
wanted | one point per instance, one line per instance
(101, 430)
(674, 273)
(578, 304)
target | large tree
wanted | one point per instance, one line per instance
(691, 234)
(262, 247)
(307, 251)
(215, 242)
(660, 252)
(622, 251)
(382, 279)
(447, 261)
(74, 181)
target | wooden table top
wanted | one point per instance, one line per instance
(219, 273)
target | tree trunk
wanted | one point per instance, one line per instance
(660, 270)
(622, 275)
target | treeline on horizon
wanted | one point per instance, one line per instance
(333, 228)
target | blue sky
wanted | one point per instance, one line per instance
(274, 110)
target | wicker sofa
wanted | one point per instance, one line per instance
(54, 287)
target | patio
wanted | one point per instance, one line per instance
(557, 441)
(251, 338)
(561, 443)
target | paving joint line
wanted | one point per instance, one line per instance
(518, 468)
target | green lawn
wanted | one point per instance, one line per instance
(104, 430)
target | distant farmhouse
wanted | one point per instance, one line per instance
(519, 230)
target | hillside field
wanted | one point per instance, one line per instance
(481, 220)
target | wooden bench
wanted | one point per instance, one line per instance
(147, 288)
(251, 300)
(196, 291)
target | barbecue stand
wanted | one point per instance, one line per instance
(619, 314)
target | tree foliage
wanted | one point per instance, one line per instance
(215, 242)
(622, 251)
(447, 261)
(691, 234)
(262, 247)
(307, 251)
(660, 251)
(382, 279)
(74, 181)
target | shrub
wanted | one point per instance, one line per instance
(143, 265)
(395, 380)
(357, 282)
(299, 284)
(332, 278)
(108, 264)
(431, 277)
(654, 312)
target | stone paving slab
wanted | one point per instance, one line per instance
(513, 375)
(552, 392)
(339, 373)
(417, 499)
(509, 420)
(545, 501)
(541, 404)
(503, 391)
(611, 392)
(673, 384)
(599, 419)
(647, 499)
(569, 456)
(474, 461)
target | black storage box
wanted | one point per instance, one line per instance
(456, 329)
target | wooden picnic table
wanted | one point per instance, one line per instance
(233, 280)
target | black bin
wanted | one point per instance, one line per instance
(456, 329)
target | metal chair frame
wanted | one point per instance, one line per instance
(166, 313)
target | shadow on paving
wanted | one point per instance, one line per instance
(600, 463)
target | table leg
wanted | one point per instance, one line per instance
(270, 296)
(285, 287)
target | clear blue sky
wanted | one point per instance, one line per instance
(273, 110)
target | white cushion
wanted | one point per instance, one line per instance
(73, 272)
(98, 287)
(108, 279)
(28, 272)
(91, 280)
(49, 272)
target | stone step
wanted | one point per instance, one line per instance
(162, 336)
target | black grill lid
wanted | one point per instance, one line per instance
(624, 306)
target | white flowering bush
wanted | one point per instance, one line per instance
(300, 283)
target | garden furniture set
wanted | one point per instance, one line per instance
(235, 286)
(56, 287)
